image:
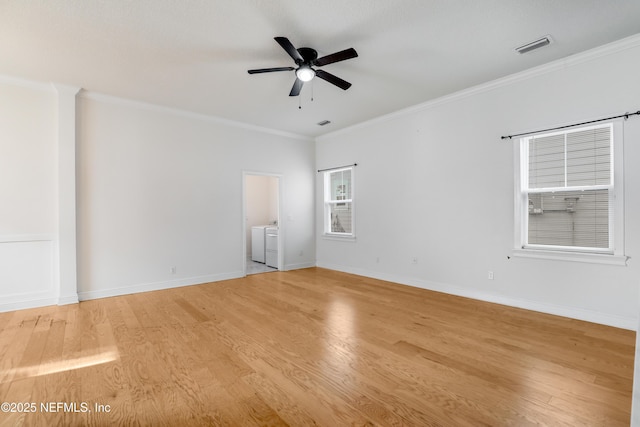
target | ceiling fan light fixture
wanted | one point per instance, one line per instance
(305, 73)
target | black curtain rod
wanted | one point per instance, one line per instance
(339, 167)
(626, 116)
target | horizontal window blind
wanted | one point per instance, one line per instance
(571, 159)
(569, 218)
(568, 188)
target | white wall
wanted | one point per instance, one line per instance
(28, 194)
(436, 182)
(159, 189)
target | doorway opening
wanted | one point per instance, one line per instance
(262, 228)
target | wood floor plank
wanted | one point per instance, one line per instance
(311, 347)
(17, 338)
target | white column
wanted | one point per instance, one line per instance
(66, 254)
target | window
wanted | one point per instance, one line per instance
(569, 191)
(338, 203)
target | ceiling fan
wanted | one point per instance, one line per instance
(307, 58)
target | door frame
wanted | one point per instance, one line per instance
(281, 228)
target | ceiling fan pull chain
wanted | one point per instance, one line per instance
(311, 90)
(299, 103)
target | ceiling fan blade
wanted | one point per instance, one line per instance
(336, 57)
(291, 50)
(342, 84)
(270, 70)
(297, 87)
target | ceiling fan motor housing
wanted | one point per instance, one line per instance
(308, 54)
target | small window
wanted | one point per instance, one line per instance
(338, 203)
(569, 196)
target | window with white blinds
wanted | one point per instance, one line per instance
(338, 202)
(567, 190)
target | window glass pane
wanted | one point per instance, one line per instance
(546, 162)
(572, 159)
(589, 157)
(569, 218)
(340, 185)
(340, 217)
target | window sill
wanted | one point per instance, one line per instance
(338, 237)
(572, 256)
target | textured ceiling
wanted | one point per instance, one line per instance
(193, 55)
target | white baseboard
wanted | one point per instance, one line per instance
(558, 310)
(27, 302)
(156, 286)
(35, 300)
(299, 266)
(69, 299)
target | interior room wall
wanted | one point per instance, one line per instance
(160, 189)
(28, 194)
(261, 194)
(435, 182)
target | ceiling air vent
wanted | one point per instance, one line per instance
(544, 41)
(324, 123)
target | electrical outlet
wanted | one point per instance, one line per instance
(377, 260)
(301, 253)
(172, 270)
(490, 275)
(414, 260)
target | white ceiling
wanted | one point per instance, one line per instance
(194, 55)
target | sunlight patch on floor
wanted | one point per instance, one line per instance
(56, 366)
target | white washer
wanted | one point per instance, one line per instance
(258, 243)
(271, 245)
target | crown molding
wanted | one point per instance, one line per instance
(559, 64)
(30, 84)
(95, 96)
(82, 93)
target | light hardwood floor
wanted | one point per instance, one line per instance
(310, 347)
